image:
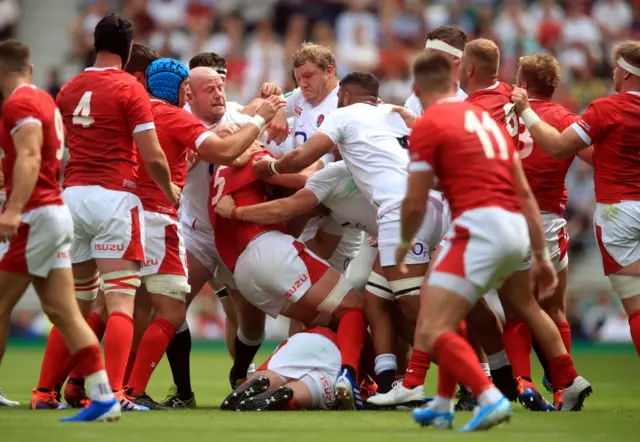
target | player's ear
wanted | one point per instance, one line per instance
(331, 70)
(30, 69)
(416, 89)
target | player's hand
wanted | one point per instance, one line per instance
(174, 194)
(373, 241)
(408, 116)
(270, 106)
(9, 224)
(225, 206)
(401, 253)
(224, 130)
(192, 159)
(243, 159)
(261, 168)
(278, 129)
(520, 98)
(269, 89)
(546, 278)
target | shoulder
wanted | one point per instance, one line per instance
(234, 116)
(293, 96)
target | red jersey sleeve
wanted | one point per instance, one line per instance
(595, 122)
(18, 112)
(423, 144)
(137, 107)
(190, 130)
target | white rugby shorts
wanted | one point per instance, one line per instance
(617, 230)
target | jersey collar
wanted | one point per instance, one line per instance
(109, 68)
(634, 92)
(20, 86)
(493, 86)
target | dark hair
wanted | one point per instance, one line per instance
(209, 60)
(365, 80)
(141, 57)
(432, 71)
(449, 34)
(14, 57)
(114, 34)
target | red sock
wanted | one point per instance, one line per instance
(88, 360)
(446, 383)
(152, 347)
(117, 345)
(419, 363)
(634, 323)
(517, 343)
(290, 406)
(130, 364)
(565, 334)
(563, 371)
(457, 358)
(65, 370)
(352, 332)
(98, 326)
(55, 356)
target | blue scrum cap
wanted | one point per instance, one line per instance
(164, 77)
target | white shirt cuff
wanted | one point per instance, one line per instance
(144, 127)
(419, 166)
(21, 122)
(581, 132)
(201, 138)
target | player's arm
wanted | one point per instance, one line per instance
(558, 145)
(304, 156)
(530, 210)
(586, 155)
(27, 140)
(275, 211)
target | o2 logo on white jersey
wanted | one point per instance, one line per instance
(299, 134)
(420, 250)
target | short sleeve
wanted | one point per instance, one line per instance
(568, 120)
(422, 145)
(292, 101)
(323, 182)
(19, 111)
(413, 104)
(138, 108)
(591, 126)
(333, 126)
(190, 130)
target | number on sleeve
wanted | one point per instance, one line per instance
(482, 129)
(525, 142)
(82, 114)
(511, 122)
(59, 126)
(218, 183)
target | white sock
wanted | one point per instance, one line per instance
(442, 404)
(384, 362)
(98, 387)
(486, 369)
(498, 360)
(489, 397)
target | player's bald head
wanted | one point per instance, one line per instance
(206, 94)
(202, 74)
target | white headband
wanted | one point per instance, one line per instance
(624, 64)
(444, 47)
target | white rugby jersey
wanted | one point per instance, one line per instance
(308, 118)
(371, 139)
(414, 105)
(194, 202)
(335, 188)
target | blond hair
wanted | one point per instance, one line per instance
(485, 55)
(319, 55)
(629, 50)
(541, 72)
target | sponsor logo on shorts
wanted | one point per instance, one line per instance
(63, 255)
(327, 391)
(109, 247)
(419, 250)
(296, 286)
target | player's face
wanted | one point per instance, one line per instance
(463, 76)
(209, 99)
(312, 81)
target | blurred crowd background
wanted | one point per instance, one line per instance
(258, 38)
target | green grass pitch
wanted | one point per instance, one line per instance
(612, 414)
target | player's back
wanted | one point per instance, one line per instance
(102, 109)
(232, 236)
(616, 141)
(371, 140)
(497, 101)
(30, 104)
(547, 176)
(470, 154)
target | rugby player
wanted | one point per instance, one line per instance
(36, 228)
(494, 212)
(611, 125)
